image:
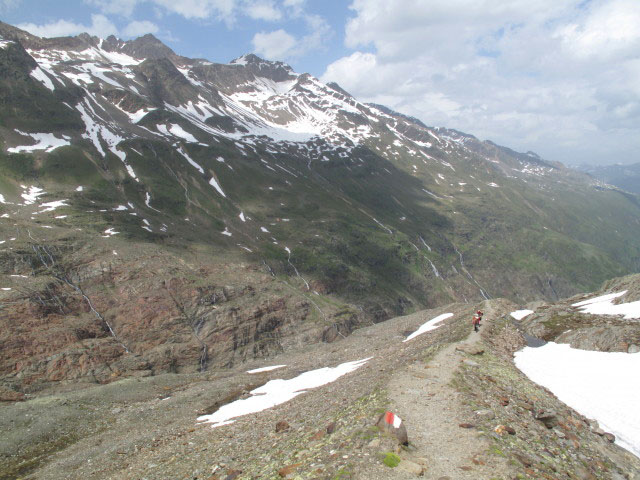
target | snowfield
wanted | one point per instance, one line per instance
(600, 385)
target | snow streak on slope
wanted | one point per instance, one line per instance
(45, 141)
(265, 369)
(96, 131)
(430, 325)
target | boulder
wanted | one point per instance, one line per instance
(282, 426)
(548, 417)
(285, 472)
(411, 467)
(392, 424)
(502, 429)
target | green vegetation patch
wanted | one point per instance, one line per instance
(391, 459)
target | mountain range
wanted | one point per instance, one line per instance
(167, 224)
(166, 214)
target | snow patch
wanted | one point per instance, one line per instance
(276, 392)
(135, 117)
(603, 298)
(190, 160)
(604, 305)
(265, 369)
(45, 141)
(51, 206)
(42, 77)
(600, 385)
(214, 183)
(430, 325)
(177, 131)
(32, 194)
(520, 314)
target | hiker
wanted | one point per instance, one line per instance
(479, 315)
(476, 322)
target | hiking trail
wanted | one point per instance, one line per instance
(422, 395)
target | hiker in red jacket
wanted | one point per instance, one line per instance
(476, 322)
(479, 315)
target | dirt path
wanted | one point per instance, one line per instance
(423, 397)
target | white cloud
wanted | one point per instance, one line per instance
(100, 26)
(296, 7)
(610, 29)
(281, 45)
(274, 45)
(139, 28)
(199, 9)
(7, 5)
(262, 10)
(190, 9)
(557, 78)
(115, 7)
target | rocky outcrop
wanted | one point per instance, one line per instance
(173, 322)
(561, 322)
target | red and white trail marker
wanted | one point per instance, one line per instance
(391, 423)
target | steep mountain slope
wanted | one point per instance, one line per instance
(160, 213)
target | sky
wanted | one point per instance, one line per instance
(561, 79)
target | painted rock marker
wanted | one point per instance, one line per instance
(391, 423)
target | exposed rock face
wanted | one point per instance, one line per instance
(168, 323)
